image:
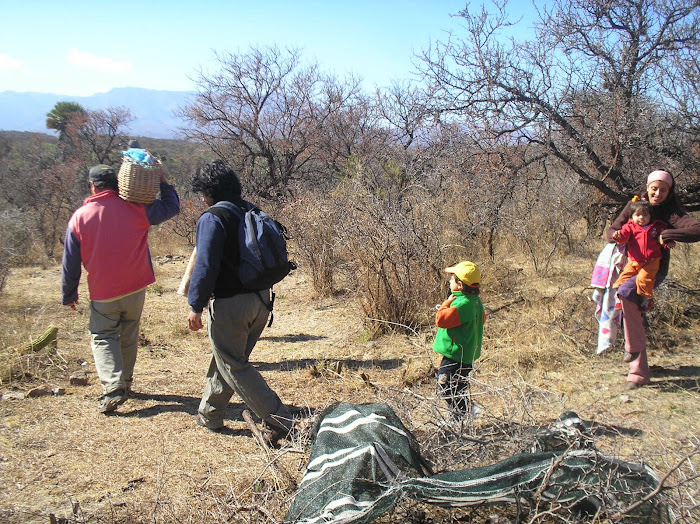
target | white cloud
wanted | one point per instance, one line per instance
(7, 62)
(107, 65)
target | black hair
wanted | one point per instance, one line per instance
(471, 290)
(110, 183)
(640, 205)
(218, 181)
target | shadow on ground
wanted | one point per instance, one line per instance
(610, 430)
(300, 337)
(670, 380)
(189, 405)
(352, 364)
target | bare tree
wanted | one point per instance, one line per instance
(585, 89)
(406, 108)
(45, 189)
(684, 96)
(46, 183)
(417, 144)
(353, 134)
(97, 135)
(264, 112)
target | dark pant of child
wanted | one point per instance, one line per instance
(453, 385)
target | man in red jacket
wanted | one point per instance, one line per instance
(109, 236)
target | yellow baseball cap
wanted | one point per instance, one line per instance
(467, 272)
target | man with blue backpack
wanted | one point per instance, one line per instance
(241, 253)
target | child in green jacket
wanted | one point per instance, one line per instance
(460, 321)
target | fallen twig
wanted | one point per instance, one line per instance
(264, 444)
(659, 488)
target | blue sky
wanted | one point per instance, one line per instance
(79, 48)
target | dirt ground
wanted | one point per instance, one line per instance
(149, 462)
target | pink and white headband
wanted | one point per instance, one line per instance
(663, 176)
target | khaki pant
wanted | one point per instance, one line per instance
(114, 329)
(234, 326)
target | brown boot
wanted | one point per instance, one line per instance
(629, 357)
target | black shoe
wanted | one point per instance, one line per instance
(112, 401)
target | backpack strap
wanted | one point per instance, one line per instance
(241, 213)
(238, 210)
(269, 306)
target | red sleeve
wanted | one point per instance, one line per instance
(447, 316)
(625, 234)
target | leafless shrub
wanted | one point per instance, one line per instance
(15, 242)
(542, 217)
(184, 224)
(312, 221)
(394, 253)
(36, 182)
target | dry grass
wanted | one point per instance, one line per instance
(151, 463)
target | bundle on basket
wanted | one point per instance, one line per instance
(139, 181)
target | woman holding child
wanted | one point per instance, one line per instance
(660, 192)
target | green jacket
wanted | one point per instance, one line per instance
(460, 328)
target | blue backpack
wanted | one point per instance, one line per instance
(262, 243)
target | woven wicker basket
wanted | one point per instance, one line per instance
(138, 181)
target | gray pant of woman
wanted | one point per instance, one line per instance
(234, 326)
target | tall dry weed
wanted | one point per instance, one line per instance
(162, 241)
(313, 224)
(27, 316)
(19, 243)
(393, 254)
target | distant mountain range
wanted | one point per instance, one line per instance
(153, 111)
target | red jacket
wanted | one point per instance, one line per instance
(642, 242)
(109, 236)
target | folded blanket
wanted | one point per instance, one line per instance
(607, 268)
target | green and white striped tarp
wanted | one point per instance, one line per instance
(364, 460)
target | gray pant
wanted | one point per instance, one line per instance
(234, 326)
(114, 329)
